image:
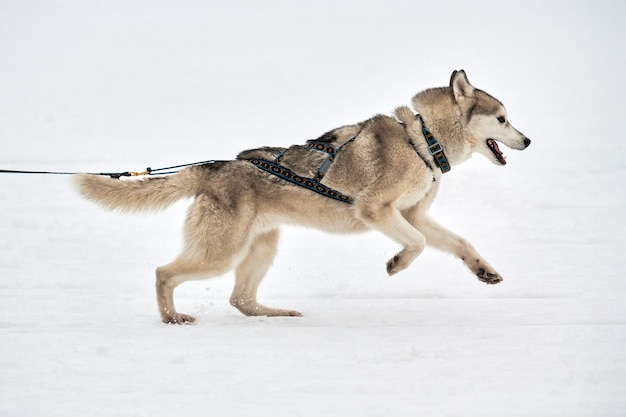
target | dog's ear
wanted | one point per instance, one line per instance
(452, 76)
(463, 90)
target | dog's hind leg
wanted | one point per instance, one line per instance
(168, 277)
(216, 239)
(183, 269)
(250, 273)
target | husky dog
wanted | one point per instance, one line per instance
(381, 174)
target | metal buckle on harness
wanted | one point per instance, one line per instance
(434, 148)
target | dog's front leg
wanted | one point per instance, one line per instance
(441, 238)
(390, 222)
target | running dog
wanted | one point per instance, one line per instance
(381, 174)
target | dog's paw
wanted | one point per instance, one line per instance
(285, 313)
(402, 260)
(179, 319)
(488, 277)
(394, 265)
(252, 308)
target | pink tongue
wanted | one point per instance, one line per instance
(496, 150)
(495, 146)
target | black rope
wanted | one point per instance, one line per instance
(10, 171)
(149, 171)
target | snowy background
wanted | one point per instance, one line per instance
(122, 85)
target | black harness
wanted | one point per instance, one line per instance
(314, 184)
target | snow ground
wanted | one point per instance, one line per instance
(115, 85)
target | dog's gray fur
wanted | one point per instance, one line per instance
(237, 210)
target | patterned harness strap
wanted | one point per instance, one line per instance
(313, 184)
(294, 178)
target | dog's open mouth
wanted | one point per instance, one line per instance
(493, 147)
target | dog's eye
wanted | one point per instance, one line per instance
(501, 119)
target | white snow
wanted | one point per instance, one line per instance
(121, 85)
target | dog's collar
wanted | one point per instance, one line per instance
(434, 148)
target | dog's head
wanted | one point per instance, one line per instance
(468, 120)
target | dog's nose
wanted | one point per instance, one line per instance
(526, 142)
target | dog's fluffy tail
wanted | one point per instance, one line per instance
(134, 195)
